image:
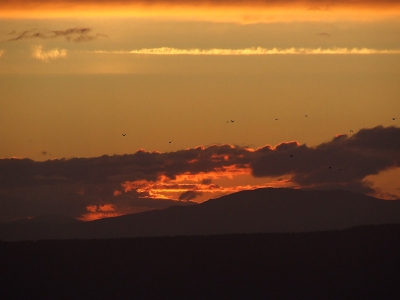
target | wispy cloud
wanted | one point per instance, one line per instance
(254, 51)
(76, 34)
(52, 54)
(324, 34)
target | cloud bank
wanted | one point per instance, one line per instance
(113, 185)
(38, 53)
(254, 51)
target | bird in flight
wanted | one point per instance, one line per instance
(351, 130)
(276, 119)
(291, 155)
(393, 119)
(170, 142)
(232, 121)
(330, 168)
(306, 116)
(124, 134)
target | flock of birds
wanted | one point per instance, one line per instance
(291, 155)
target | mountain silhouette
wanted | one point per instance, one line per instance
(251, 211)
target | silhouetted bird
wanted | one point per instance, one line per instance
(124, 134)
(276, 119)
(232, 121)
(170, 142)
(330, 168)
(306, 116)
(291, 155)
(393, 119)
(351, 130)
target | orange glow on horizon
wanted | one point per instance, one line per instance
(199, 184)
(234, 11)
(95, 212)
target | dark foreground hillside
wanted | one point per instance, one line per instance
(357, 263)
(251, 211)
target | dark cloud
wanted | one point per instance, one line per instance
(69, 186)
(70, 34)
(342, 163)
(206, 181)
(114, 170)
(189, 195)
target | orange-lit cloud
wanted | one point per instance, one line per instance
(255, 51)
(188, 186)
(95, 212)
(184, 190)
(208, 10)
(52, 54)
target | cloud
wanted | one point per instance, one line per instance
(38, 53)
(71, 34)
(189, 195)
(113, 185)
(255, 51)
(341, 163)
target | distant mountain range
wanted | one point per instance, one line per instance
(252, 211)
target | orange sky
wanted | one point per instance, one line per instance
(117, 107)
(217, 11)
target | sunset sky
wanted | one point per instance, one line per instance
(115, 107)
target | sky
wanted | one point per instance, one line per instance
(116, 107)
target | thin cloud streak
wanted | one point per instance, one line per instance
(40, 54)
(254, 51)
(70, 34)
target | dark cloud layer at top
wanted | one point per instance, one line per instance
(70, 34)
(75, 183)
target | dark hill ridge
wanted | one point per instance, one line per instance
(260, 210)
